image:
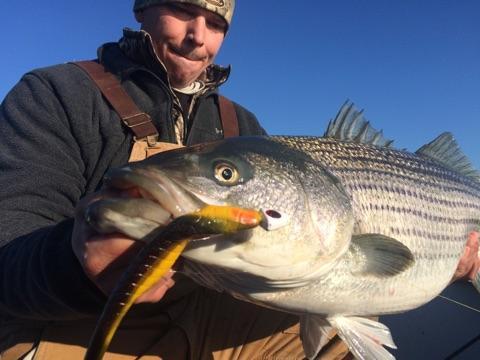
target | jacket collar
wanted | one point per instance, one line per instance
(137, 46)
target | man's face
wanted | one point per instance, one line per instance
(186, 38)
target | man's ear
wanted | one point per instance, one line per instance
(139, 16)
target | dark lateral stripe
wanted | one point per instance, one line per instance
(396, 167)
(419, 214)
(320, 148)
(409, 162)
(434, 256)
(464, 189)
(401, 170)
(412, 193)
(425, 234)
(392, 158)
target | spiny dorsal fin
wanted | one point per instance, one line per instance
(351, 125)
(446, 151)
(378, 255)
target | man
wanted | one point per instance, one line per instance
(59, 137)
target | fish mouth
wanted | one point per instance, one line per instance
(142, 199)
(153, 184)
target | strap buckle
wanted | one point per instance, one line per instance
(137, 120)
(142, 127)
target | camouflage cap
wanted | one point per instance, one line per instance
(224, 8)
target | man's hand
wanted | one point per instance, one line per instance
(104, 258)
(469, 264)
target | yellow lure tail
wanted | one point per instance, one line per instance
(155, 273)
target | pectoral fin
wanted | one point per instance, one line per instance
(364, 337)
(378, 255)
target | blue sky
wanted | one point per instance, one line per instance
(414, 66)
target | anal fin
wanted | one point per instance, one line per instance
(314, 332)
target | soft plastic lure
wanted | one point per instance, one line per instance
(163, 247)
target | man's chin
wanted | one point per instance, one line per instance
(179, 78)
(180, 82)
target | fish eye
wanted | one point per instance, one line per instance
(226, 174)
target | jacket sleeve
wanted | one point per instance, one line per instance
(41, 180)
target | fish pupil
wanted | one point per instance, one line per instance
(227, 174)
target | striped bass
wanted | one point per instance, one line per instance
(362, 229)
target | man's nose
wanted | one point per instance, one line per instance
(196, 30)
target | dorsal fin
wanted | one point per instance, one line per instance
(446, 151)
(351, 125)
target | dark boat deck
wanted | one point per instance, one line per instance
(441, 329)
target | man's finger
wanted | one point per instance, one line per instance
(469, 263)
(157, 291)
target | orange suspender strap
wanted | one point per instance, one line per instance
(136, 120)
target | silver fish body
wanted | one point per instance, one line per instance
(415, 200)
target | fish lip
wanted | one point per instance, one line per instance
(155, 185)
